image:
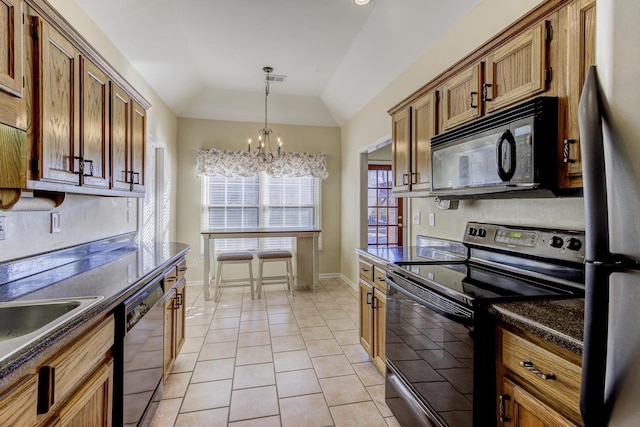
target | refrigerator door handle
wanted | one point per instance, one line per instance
(593, 170)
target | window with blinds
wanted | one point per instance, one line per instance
(259, 201)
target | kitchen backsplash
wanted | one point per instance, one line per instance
(82, 219)
(565, 213)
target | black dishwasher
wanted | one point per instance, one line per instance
(138, 358)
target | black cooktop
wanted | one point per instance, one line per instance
(503, 262)
(470, 284)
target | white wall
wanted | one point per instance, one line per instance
(372, 124)
(87, 218)
(195, 134)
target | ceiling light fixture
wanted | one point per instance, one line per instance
(264, 152)
(361, 2)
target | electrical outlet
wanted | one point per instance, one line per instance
(194, 263)
(432, 219)
(416, 218)
(3, 227)
(55, 222)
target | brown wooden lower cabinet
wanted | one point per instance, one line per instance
(169, 328)
(92, 404)
(538, 383)
(18, 405)
(523, 409)
(379, 324)
(72, 388)
(366, 316)
(174, 313)
(373, 300)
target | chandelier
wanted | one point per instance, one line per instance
(264, 152)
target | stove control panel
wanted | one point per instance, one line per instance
(549, 243)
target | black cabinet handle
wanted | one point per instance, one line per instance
(471, 96)
(503, 414)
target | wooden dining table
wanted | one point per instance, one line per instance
(305, 250)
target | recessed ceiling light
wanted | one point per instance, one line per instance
(361, 2)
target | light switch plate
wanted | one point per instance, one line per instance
(416, 218)
(55, 222)
(3, 227)
(432, 219)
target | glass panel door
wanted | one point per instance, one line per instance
(384, 210)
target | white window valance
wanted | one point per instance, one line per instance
(214, 162)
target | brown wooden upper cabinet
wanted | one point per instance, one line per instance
(401, 150)
(138, 145)
(413, 128)
(461, 97)
(516, 70)
(94, 121)
(57, 137)
(545, 53)
(128, 138)
(73, 101)
(580, 54)
(11, 47)
(423, 127)
(58, 92)
(11, 63)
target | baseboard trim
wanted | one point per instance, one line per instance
(321, 276)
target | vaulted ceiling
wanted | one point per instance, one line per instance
(204, 58)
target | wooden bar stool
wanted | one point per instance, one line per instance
(275, 256)
(224, 258)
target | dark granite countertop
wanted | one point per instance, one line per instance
(558, 321)
(112, 274)
(416, 254)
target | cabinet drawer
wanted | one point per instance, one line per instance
(170, 277)
(378, 278)
(557, 378)
(72, 366)
(366, 270)
(182, 269)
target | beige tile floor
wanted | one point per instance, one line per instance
(278, 361)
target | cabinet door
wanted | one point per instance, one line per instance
(120, 138)
(516, 71)
(520, 408)
(169, 337)
(58, 135)
(138, 146)
(581, 20)
(379, 325)
(423, 127)
(366, 316)
(94, 88)
(11, 47)
(401, 150)
(18, 405)
(92, 404)
(461, 97)
(181, 308)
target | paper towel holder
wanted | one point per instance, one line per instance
(36, 200)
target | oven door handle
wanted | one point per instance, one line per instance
(441, 305)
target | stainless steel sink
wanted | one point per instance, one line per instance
(23, 322)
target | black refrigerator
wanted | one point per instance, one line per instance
(610, 148)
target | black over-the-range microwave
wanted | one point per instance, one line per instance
(512, 153)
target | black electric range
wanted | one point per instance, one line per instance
(439, 338)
